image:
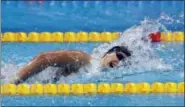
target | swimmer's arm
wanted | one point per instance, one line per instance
(33, 67)
(44, 60)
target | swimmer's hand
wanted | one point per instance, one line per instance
(15, 80)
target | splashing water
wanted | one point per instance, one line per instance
(144, 58)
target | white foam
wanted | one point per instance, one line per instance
(143, 55)
(8, 72)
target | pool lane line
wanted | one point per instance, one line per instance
(92, 88)
(52, 37)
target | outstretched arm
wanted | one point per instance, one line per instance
(58, 58)
(33, 67)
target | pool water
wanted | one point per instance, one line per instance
(89, 15)
(172, 51)
(100, 100)
(157, 62)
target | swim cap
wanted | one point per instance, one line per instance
(119, 49)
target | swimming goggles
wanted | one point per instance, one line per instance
(120, 56)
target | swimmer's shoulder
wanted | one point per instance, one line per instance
(63, 52)
(70, 53)
(67, 52)
(80, 54)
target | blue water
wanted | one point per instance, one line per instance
(177, 56)
(111, 100)
(87, 15)
(94, 16)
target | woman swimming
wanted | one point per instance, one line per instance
(71, 61)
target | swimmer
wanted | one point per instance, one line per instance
(71, 61)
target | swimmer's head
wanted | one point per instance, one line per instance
(113, 56)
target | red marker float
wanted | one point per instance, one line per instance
(156, 37)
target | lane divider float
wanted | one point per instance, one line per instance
(167, 37)
(36, 37)
(92, 88)
(59, 37)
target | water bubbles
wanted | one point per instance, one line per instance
(165, 17)
(8, 72)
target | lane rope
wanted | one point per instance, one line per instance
(36, 37)
(92, 88)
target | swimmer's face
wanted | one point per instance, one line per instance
(112, 59)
